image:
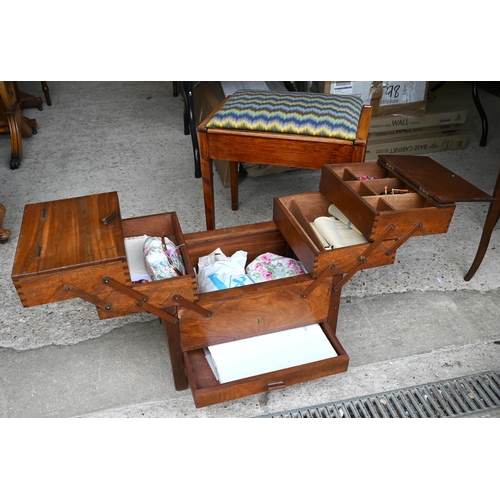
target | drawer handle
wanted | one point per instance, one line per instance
(108, 218)
(272, 386)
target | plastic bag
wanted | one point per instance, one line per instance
(218, 272)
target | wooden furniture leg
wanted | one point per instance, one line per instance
(46, 92)
(491, 220)
(173, 336)
(207, 180)
(233, 173)
(4, 233)
(16, 141)
(13, 122)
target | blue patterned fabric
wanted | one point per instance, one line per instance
(302, 113)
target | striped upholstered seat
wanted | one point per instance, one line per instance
(303, 113)
(289, 129)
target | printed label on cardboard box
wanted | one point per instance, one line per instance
(403, 93)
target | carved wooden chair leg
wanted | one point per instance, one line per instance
(4, 233)
(491, 220)
(46, 92)
(18, 126)
(16, 141)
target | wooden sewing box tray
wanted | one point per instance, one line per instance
(75, 248)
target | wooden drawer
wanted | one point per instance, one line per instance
(253, 309)
(293, 215)
(158, 293)
(67, 247)
(250, 311)
(207, 390)
(367, 206)
(425, 203)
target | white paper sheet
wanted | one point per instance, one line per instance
(266, 353)
(134, 250)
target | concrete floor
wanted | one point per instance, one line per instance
(414, 322)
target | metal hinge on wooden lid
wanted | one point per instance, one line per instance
(424, 191)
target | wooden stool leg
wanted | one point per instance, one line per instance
(491, 220)
(4, 233)
(233, 173)
(207, 179)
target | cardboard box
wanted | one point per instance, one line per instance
(439, 112)
(415, 145)
(385, 97)
(391, 135)
(402, 98)
(368, 92)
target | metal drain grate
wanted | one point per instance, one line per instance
(448, 398)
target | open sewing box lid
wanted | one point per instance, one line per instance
(433, 179)
(70, 242)
(69, 233)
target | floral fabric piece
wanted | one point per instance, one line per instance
(157, 261)
(270, 266)
(174, 256)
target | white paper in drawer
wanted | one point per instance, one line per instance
(266, 353)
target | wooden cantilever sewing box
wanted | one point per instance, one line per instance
(75, 248)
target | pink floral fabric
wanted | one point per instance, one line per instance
(270, 266)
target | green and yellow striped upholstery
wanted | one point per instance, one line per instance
(302, 113)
